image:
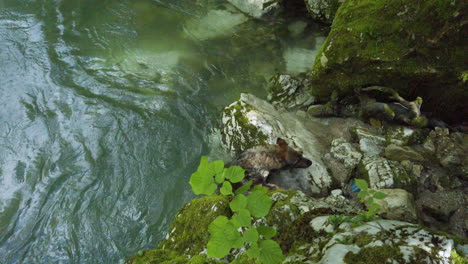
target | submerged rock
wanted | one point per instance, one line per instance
(415, 48)
(258, 8)
(214, 24)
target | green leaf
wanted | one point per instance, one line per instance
(201, 184)
(259, 203)
(218, 166)
(244, 187)
(251, 235)
(218, 224)
(226, 189)
(217, 247)
(219, 178)
(362, 194)
(361, 184)
(266, 231)
(380, 195)
(239, 202)
(270, 252)
(202, 180)
(224, 236)
(234, 174)
(253, 251)
(243, 217)
(374, 207)
(370, 201)
(259, 188)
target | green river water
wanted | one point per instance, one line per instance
(105, 109)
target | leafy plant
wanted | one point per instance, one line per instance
(368, 197)
(237, 232)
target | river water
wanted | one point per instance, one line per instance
(105, 110)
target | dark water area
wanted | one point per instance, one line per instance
(105, 109)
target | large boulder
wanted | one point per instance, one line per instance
(415, 47)
(323, 10)
(310, 230)
(251, 121)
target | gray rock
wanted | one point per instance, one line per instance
(323, 10)
(370, 134)
(345, 152)
(342, 160)
(258, 8)
(401, 153)
(441, 204)
(402, 135)
(385, 174)
(450, 149)
(398, 205)
(369, 148)
(289, 92)
(252, 121)
(400, 240)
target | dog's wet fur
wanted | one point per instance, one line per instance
(260, 161)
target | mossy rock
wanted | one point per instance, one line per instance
(415, 47)
(188, 233)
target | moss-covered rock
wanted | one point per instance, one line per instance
(415, 47)
(189, 231)
(323, 10)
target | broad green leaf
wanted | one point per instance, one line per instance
(253, 251)
(226, 189)
(380, 195)
(239, 202)
(218, 166)
(201, 184)
(244, 187)
(374, 207)
(361, 184)
(259, 188)
(259, 203)
(219, 177)
(243, 217)
(266, 231)
(362, 194)
(235, 221)
(218, 224)
(251, 235)
(234, 174)
(370, 201)
(270, 252)
(217, 247)
(224, 236)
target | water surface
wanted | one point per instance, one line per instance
(106, 108)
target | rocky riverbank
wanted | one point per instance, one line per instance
(415, 49)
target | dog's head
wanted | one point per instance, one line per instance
(293, 158)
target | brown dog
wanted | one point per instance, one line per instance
(260, 161)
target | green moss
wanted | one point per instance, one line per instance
(188, 233)
(416, 47)
(244, 259)
(249, 134)
(457, 259)
(152, 256)
(363, 239)
(372, 255)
